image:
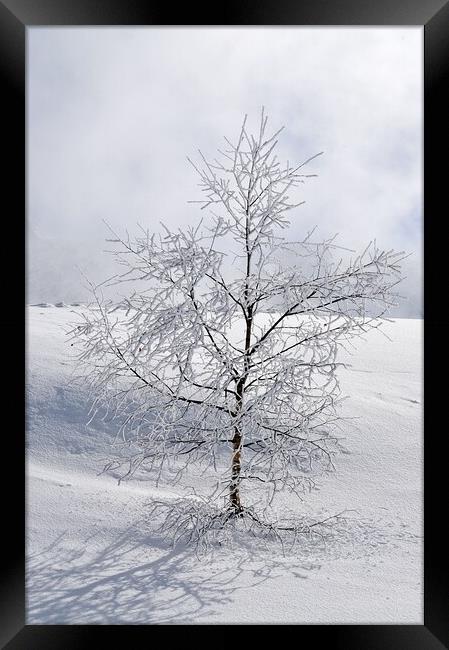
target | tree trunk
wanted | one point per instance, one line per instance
(234, 490)
(234, 494)
(240, 388)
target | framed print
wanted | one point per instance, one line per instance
(229, 340)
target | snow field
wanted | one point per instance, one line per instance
(93, 556)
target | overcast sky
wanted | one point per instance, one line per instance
(113, 113)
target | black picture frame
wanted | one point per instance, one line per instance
(433, 15)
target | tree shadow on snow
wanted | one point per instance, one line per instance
(137, 579)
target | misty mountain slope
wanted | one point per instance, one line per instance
(93, 555)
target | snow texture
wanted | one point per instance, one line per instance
(93, 554)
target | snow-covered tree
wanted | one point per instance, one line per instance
(226, 356)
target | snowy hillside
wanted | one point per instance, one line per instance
(93, 556)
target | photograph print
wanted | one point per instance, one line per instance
(224, 325)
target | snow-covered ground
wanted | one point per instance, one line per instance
(92, 556)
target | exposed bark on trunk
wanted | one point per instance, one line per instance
(237, 439)
(235, 475)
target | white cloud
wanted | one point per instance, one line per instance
(112, 114)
